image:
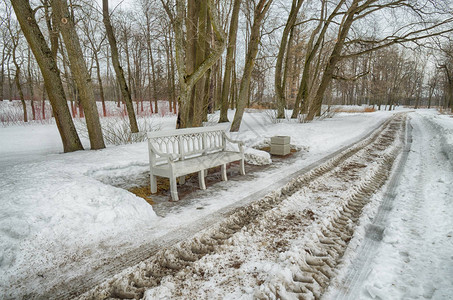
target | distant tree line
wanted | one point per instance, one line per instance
(207, 55)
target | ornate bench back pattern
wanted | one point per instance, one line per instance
(185, 143)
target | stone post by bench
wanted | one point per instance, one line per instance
(280, 145)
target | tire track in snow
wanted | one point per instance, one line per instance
(316, 267)
(351, 283)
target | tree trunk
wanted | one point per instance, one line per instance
(201, 51)
(280, 81)
(301, 104)
(153, 76)
(260, 11)
(173, 79)
(116, 65)
(2, 74)
(15, 41)
(80, 73)
(101, 86)
(52, 81)
(335, 57)
(229, 61)
(188, 76)
(52, 28)
(10, 84)
(30, 86)
(21, 93)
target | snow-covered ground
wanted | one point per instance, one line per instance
(413, 258)
(63, 215)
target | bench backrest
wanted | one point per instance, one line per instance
(185, 143)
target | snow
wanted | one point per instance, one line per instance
(62, 215)
(257, 157)
(414, 259)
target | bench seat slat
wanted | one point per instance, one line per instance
(198, 163)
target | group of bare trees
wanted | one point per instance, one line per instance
(206, 55)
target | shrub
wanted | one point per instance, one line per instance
(116, 130)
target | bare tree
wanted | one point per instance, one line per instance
(229, 61)
(280, 80)
(185, 45)
(15, 36)
(49, 70)
(260, 11)
(80, 72)
(118, 69)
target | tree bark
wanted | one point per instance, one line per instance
(19, 89)
(15, 42)
(188, 76)
(30, 86)
(280, 81)
(52, 81)
(80, 73)
(229, 61)
(301, 104)
(2, 74)
(259, 13)
(334, 58)
(116, 65)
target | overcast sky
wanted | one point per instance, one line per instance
(114, 3)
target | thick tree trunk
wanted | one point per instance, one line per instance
(199, 99)
(80, 73)
(52, 81)
(116, 65)
(260, 11)
(188, 77)
(229, 61)
(52, 28)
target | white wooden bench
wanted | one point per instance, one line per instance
(176, 153)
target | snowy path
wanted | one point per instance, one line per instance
(257, 250)
(413, 257)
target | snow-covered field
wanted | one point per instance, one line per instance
(65, 215)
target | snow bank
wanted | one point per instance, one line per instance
(257, 157)
(444, 125)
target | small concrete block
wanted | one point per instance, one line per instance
(280, 149)
(280, 140)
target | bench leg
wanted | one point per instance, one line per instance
(173, 189)
(182, 179)
(201, 180)
(153, 184)
(242, 168)
(205, 173)
(224, 174)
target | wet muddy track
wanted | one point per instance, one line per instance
(313, 268)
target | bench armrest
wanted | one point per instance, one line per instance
(171, 157)
(240, 143)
